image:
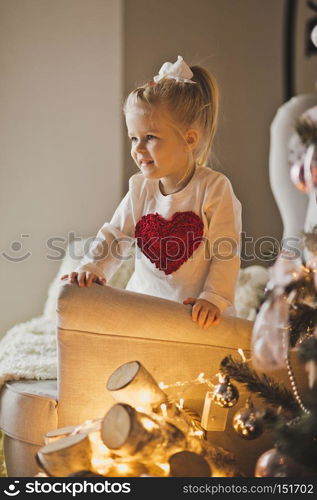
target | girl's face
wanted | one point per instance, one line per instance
(158, 149)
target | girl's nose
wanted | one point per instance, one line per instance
(140, 146)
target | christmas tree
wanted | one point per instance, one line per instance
(286, 320)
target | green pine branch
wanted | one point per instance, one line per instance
(302, 320)
(262, 385)
(308, 350)
(298, 438)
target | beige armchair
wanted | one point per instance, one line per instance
(100, 328)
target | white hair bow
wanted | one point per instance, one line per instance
(179, 71)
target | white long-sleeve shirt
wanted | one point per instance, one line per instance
(210, 213)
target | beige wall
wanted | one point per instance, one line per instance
(305, 68)
(60, 140)
(66, 65)
(240, 41)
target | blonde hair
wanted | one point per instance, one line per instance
(189, 105)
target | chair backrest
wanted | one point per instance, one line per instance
(298, 210)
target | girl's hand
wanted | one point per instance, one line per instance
(84, 278)
(204, 312)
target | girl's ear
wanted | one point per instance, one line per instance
(192, 138)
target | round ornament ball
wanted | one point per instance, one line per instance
(247, 422)
(85, 473)
(297, 174)
(313, 36)
(225, 394)
(273, 463)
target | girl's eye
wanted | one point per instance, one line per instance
(149, 137)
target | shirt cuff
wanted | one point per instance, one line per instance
(215, 299)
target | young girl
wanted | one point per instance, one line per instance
(184, 216)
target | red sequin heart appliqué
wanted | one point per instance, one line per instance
(168, 243)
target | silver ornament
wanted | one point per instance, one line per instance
(313, 36)
(247, 422)
(225, 394)
(273, 463)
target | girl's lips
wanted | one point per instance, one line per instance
(147, 163)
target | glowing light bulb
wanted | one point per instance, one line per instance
(198, 433)
(240, 351)
(201, 377)
(141, 409)
(164, 467)
(164, 411)
(103, 449)
(123, 468)
(218, 473)
(162, 385)
(102, 465)
(148, 424)
(181, 403)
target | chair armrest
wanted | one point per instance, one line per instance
(106, 310)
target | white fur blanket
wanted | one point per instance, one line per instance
(28, 350)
